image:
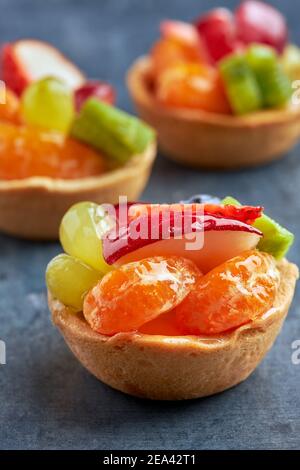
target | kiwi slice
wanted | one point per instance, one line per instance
(276, 239)
(111, 130)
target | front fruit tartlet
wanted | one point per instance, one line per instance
(154, 318)
(62, 141)
(209, 87)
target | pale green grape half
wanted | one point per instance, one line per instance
(69, 280)
(81, 230)
(48, 103)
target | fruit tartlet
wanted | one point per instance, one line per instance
(171, 301)
(62, 141)
(219, 91)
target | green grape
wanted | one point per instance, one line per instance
(48, 103)
(81, 230)
(111, 130)
(241, 85)
(274, 84)
(290, 61)
(69, 280)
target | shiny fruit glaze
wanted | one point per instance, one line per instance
(10, 109)
(26, 152)
(138, 292)
(232, 294)
(192, 85)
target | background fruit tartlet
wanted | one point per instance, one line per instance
(154, 317)
(211, 86)
(62, 141)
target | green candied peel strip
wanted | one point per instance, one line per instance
(274, 83)
(111, 130)
(276, 240)
(241, 85)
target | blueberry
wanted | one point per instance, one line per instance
(202, 199)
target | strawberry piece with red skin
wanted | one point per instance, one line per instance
(26, 61)
(261, 23)
(218, 32)
(246, 214)
(94, 89)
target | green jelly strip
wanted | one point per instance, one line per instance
(275, 85)
(276, 239)
(111, 130)
(241, 85)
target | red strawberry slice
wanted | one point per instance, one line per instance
(28, 60)
(246, 214)
(261, 23)
(218, 32)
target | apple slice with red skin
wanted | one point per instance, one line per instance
(28, 60)
(154, 235)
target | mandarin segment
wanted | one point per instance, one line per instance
(192, 85)
(232, 294)
(165, 324)
(10, 109)
(26, 152)
(169, 52)
(138, 292)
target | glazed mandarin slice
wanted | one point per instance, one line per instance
(193, 85)
(138, 292)
(232, 294)
(169, 52)
(10, 108)
(26, 152)
(165, 324)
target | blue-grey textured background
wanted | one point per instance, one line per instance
(47, 400)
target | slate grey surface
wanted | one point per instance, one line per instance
(47, 400)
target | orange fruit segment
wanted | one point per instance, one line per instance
(10, 109)
(26, 152)
(138, 292)
(192, 85)
(232, 294)
(165, 324)
(168, 52)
